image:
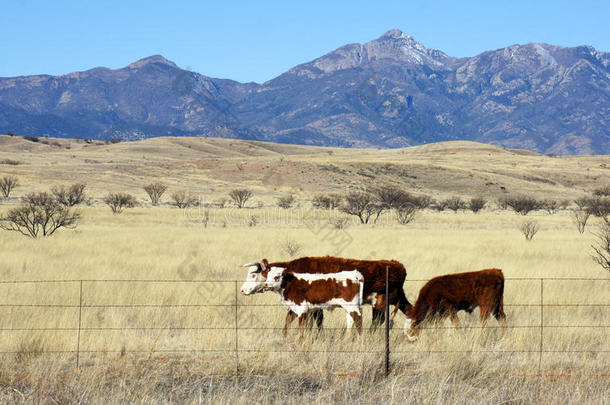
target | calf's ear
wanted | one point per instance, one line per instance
(264, 264)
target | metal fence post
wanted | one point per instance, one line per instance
(80, 312)
(236, 337)
(541, 325)
(387, 321)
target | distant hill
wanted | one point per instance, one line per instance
(390, 92)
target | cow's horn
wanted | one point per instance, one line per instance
(249, 264)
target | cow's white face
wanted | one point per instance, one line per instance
(255, 279)
(274, 279)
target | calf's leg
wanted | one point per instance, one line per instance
(290, 316)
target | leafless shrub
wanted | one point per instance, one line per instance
(220, 203)
(390, 196)
(10, 162)
(406, 213)
(563, 204)
(476, 204)
(580, 218)
(291, 247)
(70, 196)
(326, 201)
(362, 205)
(529, 229)
(582, 203)
(339, 222)
(184, 199)
(601, 250)
(39, 215)
(599, 207)
(439, 205)
(422, 201)
(119, 201)
(522, 204)
(155, 191)
(7, 185)
(455, 204)
(549, 205)
(502, 203)
(286, 201)
(602, 191)
(240, 196)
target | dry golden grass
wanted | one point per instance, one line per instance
(169, 244)
(147, 357)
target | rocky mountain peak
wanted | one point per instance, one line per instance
(154, 59)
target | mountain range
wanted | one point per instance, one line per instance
(390, 92)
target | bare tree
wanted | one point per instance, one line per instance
(8, 184)
(155, 191)
(119, 201)
(580, 218)
(523, 204)
(477, 204)
(390, 196)
(362, 205)
(599, 207)
(549, 205)
(582, 203)
(286, 201)
(70, 196)
(184, 199)
(39, 215)
(327, 201)
(406, 213)
(601, 251)
(240, 196)
(529, 229)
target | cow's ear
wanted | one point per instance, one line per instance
(264, 264)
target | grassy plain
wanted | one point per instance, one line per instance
(181, 352)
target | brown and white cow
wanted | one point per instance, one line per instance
(303, 293)
(373, 271)
(446, 295)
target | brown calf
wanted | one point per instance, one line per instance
(446, 295)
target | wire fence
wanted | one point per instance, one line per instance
(225, 323)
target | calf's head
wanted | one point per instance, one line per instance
(274, 279)
(255, 280)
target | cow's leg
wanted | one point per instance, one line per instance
(500, 315)
(318, 316)
(485, 312)
(357, 319)
(349, 321)
(454, 318)
(501, 318)
(410, 329)
(378, 312)
(290, 316)
(302, 322)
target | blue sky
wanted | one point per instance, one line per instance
(256, 41)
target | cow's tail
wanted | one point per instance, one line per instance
(403, 304)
